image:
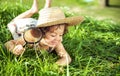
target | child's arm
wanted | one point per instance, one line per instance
(64, 56)
(15, 46)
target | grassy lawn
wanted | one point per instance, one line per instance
(115, 2)
(92, 9)
(110, 13)
(94, 45)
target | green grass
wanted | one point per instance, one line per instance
(93, 45)
(93, 9)
(110, 13)
(115, 2)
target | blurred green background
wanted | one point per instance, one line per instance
(93, 8)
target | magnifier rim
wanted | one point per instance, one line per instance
(35, 41)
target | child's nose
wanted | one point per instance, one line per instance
(58, 38)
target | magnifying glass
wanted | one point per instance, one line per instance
(32, 35)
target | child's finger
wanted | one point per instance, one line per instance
(18, 49)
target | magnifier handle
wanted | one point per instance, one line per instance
(24, 44)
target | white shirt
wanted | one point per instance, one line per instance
(18, 26)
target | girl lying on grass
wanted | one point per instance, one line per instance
(52, 23)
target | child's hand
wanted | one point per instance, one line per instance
(18, 50)
(64, 61)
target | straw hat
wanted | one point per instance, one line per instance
(54, 15)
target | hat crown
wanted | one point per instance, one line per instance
(53, 16)
(50, 15)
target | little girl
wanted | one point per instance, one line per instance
(52, 23)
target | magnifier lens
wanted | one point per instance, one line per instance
(32, 35)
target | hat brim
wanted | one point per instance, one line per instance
(70, 21)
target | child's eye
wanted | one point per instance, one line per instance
(61, 35)
(53, 35)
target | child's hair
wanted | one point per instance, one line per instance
(46, 29)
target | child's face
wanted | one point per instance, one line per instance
(54, 36)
